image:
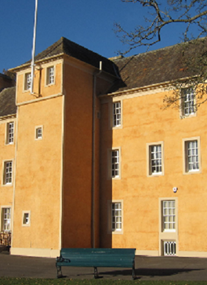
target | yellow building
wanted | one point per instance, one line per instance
(95, 160)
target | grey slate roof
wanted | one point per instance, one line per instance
(157, 66)
(7, 101)
(72, 49)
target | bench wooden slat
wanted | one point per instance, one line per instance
(96, 257)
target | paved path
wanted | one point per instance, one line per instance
(147, 268)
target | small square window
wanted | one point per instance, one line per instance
(10, 133)
(27, 84)
(50, 75)
(26, 219)
(7, 175)
(188, 102)
(38, 133)
(6, 219)
(169, 248)
(117, 114)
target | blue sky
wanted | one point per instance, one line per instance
(89, 23)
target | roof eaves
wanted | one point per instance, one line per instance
(136, 89)
(28, 64)
(5, 117)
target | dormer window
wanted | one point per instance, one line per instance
(50, 75)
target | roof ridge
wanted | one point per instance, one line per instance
(160, 49)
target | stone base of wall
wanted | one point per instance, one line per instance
(37, 252)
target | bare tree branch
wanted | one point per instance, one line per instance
(186, 12)
(189, 13)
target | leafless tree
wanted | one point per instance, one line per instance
(165, 13)
(189, 14)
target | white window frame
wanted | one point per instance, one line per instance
(192, 161)
(115, 217)
(50, 76)
(116, 114)
(27, 81)
(168, 215)
(114, 163)
(166, 234)
(38, 133)
(7, 219)
(26, 216)
(154, 160)
(7, 172)
(10, 132)
(188, 98)
(169, 247)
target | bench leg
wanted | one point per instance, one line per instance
(133, 273)
(59, 272)
(95, 272)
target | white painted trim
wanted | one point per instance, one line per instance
(3, 172)
(164, 235)
(43, 61)
(39, 99)
(185, 158)
(1, 218)
(38, 127)
(149, 174)
(38, 252)
(109, 207)
(109, 156)
(111, 114)
(6, 132)
(49, 65)
(23, 213)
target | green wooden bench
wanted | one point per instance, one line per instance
(96, 257)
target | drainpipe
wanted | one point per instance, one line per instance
(95, 75)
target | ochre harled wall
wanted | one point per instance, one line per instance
(7, 153)
(78, 90)
(144, 122)
(78, 219)
(38, 166)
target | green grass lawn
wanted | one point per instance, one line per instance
(34, 281)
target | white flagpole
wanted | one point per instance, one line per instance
(33, 48)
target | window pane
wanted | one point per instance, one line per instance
(116, 216)
(6, 213)
(115, 163)
(8, 172)
(192, 155)
(156, 159)
(27, 81)
(116, 114)
(50, 75)
(188, 101)
(10, 132)
(168, 215)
